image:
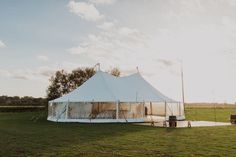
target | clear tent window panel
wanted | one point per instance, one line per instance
(131, 110)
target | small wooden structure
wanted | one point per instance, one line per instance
(233, 119)
(173, 121)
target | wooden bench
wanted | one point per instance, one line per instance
(233, 119)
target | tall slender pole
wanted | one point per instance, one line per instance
(215, 111)
(52, 108)
(179, 108)
(143, 110)
(117, 110)
(165, 110)
(67, 109)
(182, 82)
(151, 107)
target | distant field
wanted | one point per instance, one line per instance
(220, 113)
(22, 134)
(210, 105)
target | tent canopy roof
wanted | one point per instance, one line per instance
(103, 87)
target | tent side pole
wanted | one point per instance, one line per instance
(117, 110)
(67, 107)
(129, 109)
(52, 110)
(179, 109)
(165, 110)
(151, 107)
(51, 107)
(143, 110)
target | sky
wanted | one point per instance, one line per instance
(38, 38)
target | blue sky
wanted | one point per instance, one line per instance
(39, 37)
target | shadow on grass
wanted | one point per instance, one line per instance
(25, 136)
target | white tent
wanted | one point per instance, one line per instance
(106, 98)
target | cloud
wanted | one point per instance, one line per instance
(86, 11)
(27, 74)
(166, 62)
(4, 73)
(39, 73)
(106, 26)
(21, 77)
(43, 58)
(116, 39)
(193, 31)
(103, 2)
(232, 2)
(2, 45)
(22, 74)
(46, 71)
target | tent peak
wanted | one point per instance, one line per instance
(97, 66)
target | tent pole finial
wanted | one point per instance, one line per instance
(97, 66)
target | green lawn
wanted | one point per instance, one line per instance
(20, 136)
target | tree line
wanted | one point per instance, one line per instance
(22, 101)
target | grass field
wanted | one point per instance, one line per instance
(22, 136)
(219, 113)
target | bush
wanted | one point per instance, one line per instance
(21, 108)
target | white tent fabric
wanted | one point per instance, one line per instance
(103, 87)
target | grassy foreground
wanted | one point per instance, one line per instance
(20, 136)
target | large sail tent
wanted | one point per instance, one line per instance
(105, 98)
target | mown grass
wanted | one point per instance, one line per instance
(22, 136)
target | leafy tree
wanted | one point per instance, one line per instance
(115, 72)
(59, 85)
(79, 76)
(62, 82)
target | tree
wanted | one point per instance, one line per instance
(115, 72)
(79, 76)
(59, 85)
(62, 82)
